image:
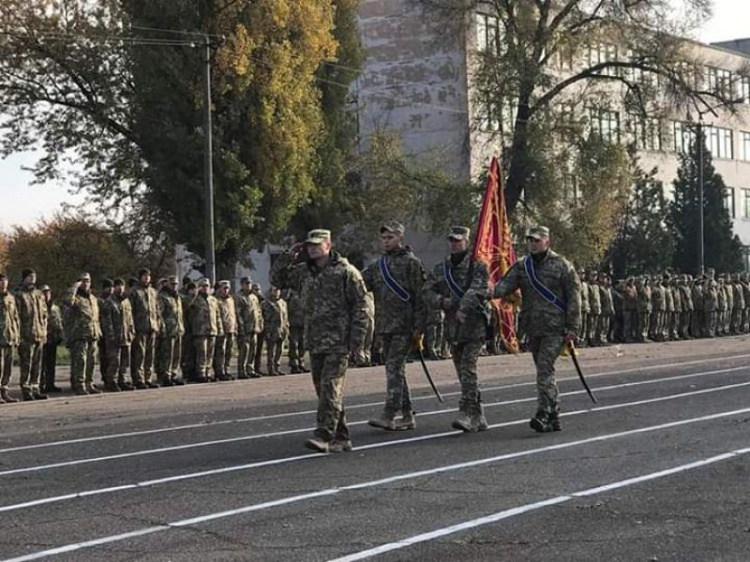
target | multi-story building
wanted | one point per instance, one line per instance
(417, 83)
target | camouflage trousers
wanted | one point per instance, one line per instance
(592, 328)
(168, 354)
(643, 329)
(329, 374)
(736, 324)
(398, 398)
(545, 350)
(30, 363)
(629, 325)
(685, 318)
(118, 362)
(223, 354)
(434, 339)
(696, 324)
(6, 365)
(142, 358)
(82, 363)
(605, 323)
(102, 347)
(49, 366)
(465, 356)
(187, 357)
(709, 323)
(273, 354)
(246, 349)
(204, 353)
(296, 346)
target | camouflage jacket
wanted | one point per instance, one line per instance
(710, 297)
(658, 301)
(185, 300)
(228, 313)
(595, 303)
(629, 299)
(584, 297)
(83, 316)
(739, 297)
(333, 299)
(746, 294)
(32, 312)
(605, 296)
(170, 313)
(275, 319)
(696, 295)
(721, 298)
(145, 309)
(644, 300)
(669, 304)
(729, 296)
(55, 332)
(472, 278)
(249, 314)
(294, 306)
(205, 316)
(117, 321)
(542, 318)
(686, 298)
(10, 323)
(392, 314)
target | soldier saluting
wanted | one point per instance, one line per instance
(551, 293)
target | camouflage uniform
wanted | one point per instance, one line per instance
(745, 282)
(721, 307)
(187, 353)
(738, 307)
(645, 309)
(697, 324)
(225, 342)
(32, 311)
(545, 323)
(585, 309)
(669, 308)
(656, 325)
(296, 331)
(82, 337)
(250, 325)
(710, 305)
(686, 311)
(630, 311)
(55, 337)
(10, 337)
(397, 322)
(365, 357)
(144, 301)
(333, 298)
(205, 326)
(275, 331)
(608, 311)
(434, 333)
(118, 332)
(171, 332)
(466, 338)
(595, 312)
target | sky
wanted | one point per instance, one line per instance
(24, 204)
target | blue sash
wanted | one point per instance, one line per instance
(391, 283)
(454, 287)
(539, 287)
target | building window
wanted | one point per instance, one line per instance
(644, 132)
(729, 202)
(745, 89)
(745, 146)
(683, 136)
(606, 124)
(745, 203)
(719, 142)
(719, 81)
(488, 36)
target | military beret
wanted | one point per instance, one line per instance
(84, 277)
(44, 289)
(107, 283)
(318, 236)
(459, 233)
(143, 271)
(537, 232)
(394, 227)
(26, 272)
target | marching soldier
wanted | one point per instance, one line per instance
(250, 326)
(171, 332)
(143, 299)
(458, 286)
(333, 296)
(396, 280)
(552, 313)
(85, 332)
(32, 311)
(10, 336)
(225, 342)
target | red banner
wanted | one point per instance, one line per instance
(493, 246)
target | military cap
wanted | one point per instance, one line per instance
(537, 232)
(190, 286)
(84, 277)
(318, 236)
(186, 280)
(204, 282)
(172, 280)
(143, 271)
(3, 276)
(26, 272)
(132, 282)
(118, 282)
(107, 283)
(245, 281)
(394, 227)
(224, 283)
(459, 233)
(44, 289)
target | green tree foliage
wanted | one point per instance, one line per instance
(62, 248)
(723, 251)
(644, 243)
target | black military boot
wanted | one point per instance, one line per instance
(541, 422)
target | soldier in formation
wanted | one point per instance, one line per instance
(275, 329)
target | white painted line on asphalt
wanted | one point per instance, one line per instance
(352, 407)
(520, 510)
(380, 482)
(200, 444)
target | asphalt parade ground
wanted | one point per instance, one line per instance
(658, 470)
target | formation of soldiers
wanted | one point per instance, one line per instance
(142, 336)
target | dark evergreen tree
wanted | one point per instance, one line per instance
(723, 250)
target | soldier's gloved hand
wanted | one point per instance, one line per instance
(417, 339)
(296, 249)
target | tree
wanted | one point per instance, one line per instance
(723, 251)
(62, 248)
(540, 54)
(644, 243)
(104, 82)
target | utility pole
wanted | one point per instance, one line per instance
(208, 168)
